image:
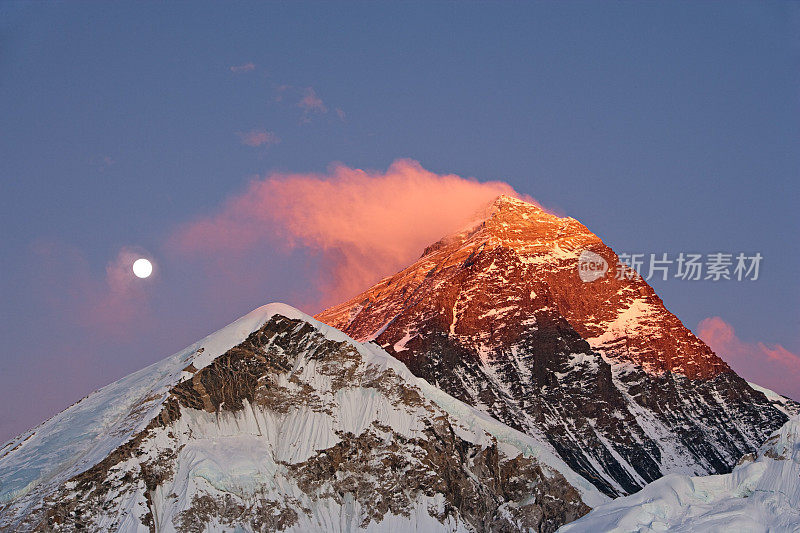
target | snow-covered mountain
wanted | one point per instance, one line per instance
(279, 422)
(498, 316)
(488, 389)
(761, 495)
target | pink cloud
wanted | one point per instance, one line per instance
(311, 103)
(246, 67)
(259, 138)
(362, 225)
(768, 365)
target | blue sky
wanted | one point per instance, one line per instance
(664, 127)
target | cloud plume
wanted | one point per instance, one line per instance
(771, 366)
(362, 225)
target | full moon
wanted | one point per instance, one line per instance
(142, 268)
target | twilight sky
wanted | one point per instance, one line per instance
(223, 141)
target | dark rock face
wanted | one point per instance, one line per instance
(498, 317)
(380, 469)
(481, 488)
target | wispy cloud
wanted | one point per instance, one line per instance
(362, 225)
(306, 99)
(246, 67)
(768, 365)
(311, 102)
(110, 303)
(258, 138)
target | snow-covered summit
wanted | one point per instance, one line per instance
(498, 315)
(280, 422)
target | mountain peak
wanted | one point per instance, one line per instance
(498, 316)
(511, 208)
(542, 248)
(507, 200)
(519, 225)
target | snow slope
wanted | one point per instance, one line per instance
(86, 432)
(761, 494)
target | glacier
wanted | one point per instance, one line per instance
(760, 495)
